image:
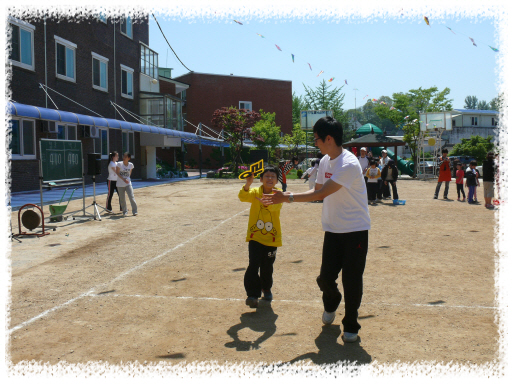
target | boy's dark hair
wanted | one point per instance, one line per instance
(313, 162)
(372, 162)
(444, 150)
(391, 163)
(128, 154)
(473, 162)
(327, 126)
(270, 168)
(295, 158)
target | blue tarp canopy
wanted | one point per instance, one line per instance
(23, 110)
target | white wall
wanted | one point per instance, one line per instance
(146, 84)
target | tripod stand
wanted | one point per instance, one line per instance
(94, 204)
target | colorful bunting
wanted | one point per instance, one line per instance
(473, 41)
(278, 47)
(375, 100)
(346, 81)
(426, 20)
(236, 21)
(406, 117)
(320, 73)
(293, 57)
(451, 30)
(494, 49)
(260, 35)
(365, 97)
(415, 120)
(383, 102)
(331, 79)
(310, 66)
(391, 108)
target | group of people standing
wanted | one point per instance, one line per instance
(379, 174)
(119, 180)
(471, 174)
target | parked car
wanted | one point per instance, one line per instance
(428, 165)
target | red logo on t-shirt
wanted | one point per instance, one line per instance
(328, 175)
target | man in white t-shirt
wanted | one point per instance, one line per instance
(345, 220)
(124, 183)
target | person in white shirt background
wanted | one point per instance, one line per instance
(312, 172)
(345, 220)
(124, 184)
(112, 180)
(383, 162)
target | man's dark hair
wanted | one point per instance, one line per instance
(490, 154)
(270, 169)
(444, 150)
(128, 154)
(313, 162)
(473, 162)
(327, 126)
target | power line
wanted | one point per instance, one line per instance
(170, 44)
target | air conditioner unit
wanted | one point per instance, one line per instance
(91, 131)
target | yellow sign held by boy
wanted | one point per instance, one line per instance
(254, 169)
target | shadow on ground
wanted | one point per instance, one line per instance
(262, 320)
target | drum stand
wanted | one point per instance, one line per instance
(94, 204)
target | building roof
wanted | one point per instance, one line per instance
(367, 128)
(477, 111)
(243, 77)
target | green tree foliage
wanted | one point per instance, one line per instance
(323, 97)
(298, 137)
(237, 124)
(411, 104)
(470, 102)
(476, 146)
(483, 105)
(297, 106)
(496, 103)
(268, 131)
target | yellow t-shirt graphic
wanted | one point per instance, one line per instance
(264, 224)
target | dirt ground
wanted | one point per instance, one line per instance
(167, 285)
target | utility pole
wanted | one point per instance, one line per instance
(355, 97)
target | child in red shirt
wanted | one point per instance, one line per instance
(459, 181)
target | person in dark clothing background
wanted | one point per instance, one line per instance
(389, 175)
(489, 175)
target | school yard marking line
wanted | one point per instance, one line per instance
(89, 293)
(289, 301)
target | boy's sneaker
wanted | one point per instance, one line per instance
(267, 295)
(135, 214)
(464, 199)
(252, 302)
(458, 198)
(379, 200)
(348, 337)
(435, 197)
(108, 210)
(328, 317)
(445, 197)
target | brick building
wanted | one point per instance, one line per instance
(65, 77)
(209, 92)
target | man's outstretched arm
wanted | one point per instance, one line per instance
(312, 195)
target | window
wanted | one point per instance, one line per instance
(128, 143)
(23, 139)
(494, 122)
(453, 122)
(101, 144)
(66, 132)
(148, 61)
(99, 72)
(22, 44)
(245, 105)
(126, 82)
(65, 59)
(474, 121)
(184, 95)
(126, 27)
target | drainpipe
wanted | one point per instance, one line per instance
(115, 70)
(45, 66)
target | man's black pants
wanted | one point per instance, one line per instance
(345, 252)
(261, 259)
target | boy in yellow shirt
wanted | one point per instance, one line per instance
(263, 236)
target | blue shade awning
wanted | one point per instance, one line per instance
(84, 119)
(30, 111)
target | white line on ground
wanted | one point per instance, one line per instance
(293, 301)
(89, 293)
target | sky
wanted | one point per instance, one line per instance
(378, 57)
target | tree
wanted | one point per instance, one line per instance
(298, 137)
(297, 106)
(470, 102)
(483, 105)
(236, 124)
(322, 98)
(476, 146)
(408, 106)
(269, 132)
(497, 103)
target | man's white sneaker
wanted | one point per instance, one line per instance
(348, 337)
(328, 317)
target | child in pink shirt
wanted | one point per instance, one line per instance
(459, 182)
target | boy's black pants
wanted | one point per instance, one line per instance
(345, 252)
(372, 190)
(460, 188)
(261, 259)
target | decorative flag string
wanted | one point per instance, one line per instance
(278, 47)
(293, 57)
(331, 79)
(320, 73)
